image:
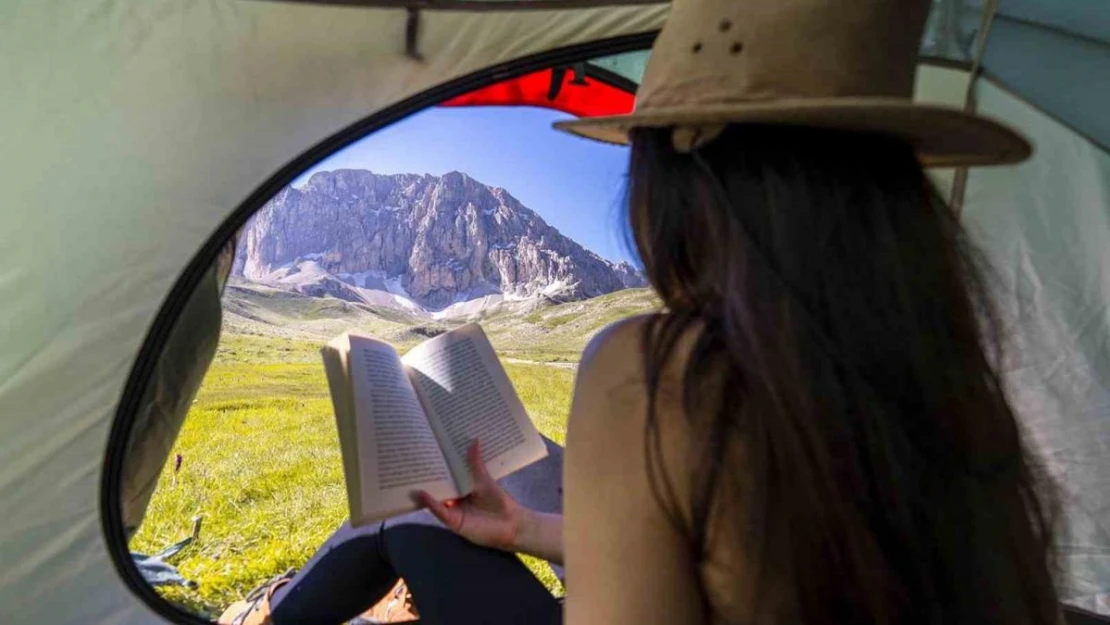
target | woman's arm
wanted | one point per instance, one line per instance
(625, 560)
(490, 517)
(540, 534)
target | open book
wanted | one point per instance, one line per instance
(406, 423)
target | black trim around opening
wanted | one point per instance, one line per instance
(155, 341)
(611, 78)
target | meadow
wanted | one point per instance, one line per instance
(260, 465)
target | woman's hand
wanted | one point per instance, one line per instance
(488, 516)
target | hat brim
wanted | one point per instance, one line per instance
(942, 136)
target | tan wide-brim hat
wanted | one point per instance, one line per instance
(813, 63)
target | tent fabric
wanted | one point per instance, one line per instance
(1056, 70)
(133, 128)
(951, 29)
(1053, 53)
(1045, 226)
(477, 5)
(629, 65)
(169, 394)
(560, 89)
(1088, 19)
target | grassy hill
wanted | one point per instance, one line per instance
(260, 451)
(269, 323)
(261, 465)
(559, 332)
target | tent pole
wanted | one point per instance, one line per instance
(959, 183)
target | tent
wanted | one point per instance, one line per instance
(139, 134)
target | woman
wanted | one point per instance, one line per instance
(825, 438)
(814, 431)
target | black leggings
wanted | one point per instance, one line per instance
(451, 579)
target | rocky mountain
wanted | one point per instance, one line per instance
(417, 242)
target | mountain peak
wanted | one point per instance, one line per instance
(426, 240)
(336, 175)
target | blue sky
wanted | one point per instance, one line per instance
(574, 184)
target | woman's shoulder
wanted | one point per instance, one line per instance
(618, 340)
(616, 416)
(610, 373)
(608, 483)
(616, 354)
(612, 388)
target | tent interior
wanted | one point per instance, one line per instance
(144, 134)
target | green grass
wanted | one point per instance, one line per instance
(556, 321)
(235, 348)
(261, 465)
(545, 392)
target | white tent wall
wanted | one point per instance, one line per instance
(1046, 228)
(131, 130)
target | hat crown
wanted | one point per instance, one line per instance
(729, 51)
(828, 64)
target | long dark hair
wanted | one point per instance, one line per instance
(841, 388)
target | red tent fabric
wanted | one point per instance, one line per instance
(562, 89)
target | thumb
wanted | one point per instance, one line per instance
(450, 517)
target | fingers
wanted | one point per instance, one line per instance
(440, 510)
(477, 467)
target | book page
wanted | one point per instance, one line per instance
(468, 396)
(339, 384)
(398, 451)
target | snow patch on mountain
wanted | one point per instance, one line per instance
(440, 245)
